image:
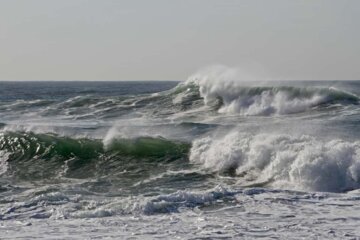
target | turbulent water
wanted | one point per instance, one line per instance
(209, 158)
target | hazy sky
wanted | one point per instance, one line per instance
(170, 39)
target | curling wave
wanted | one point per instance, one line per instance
(33, 155)
(231, 96)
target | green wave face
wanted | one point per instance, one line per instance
(45, 156)
(148, 147)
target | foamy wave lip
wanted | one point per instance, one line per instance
(282, 161)
(225, 86)
(129, 129)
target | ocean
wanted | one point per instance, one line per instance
(204, 158)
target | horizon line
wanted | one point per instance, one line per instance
(170, 80)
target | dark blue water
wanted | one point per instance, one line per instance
(32, 90)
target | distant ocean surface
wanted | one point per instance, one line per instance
(206, 158)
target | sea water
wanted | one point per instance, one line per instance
(205, 158)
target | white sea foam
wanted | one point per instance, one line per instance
(236, 96)
(266, 214)
(4, 155)
(283, 161)
(126, 128)
(185, 199)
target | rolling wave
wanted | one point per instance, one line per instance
(201, 95)
(281, 161)
(236, 97)
(185, 113)
(31, 156)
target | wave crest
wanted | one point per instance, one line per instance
(303, 163)
(228, 94)
(31, 156)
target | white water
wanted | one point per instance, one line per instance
(282, 161)
(246, 98)
(3, 161)
(217, 213)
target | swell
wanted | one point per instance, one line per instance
(33, 156)
(223, 97)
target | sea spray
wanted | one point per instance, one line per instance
(282, 161)
(229, 89)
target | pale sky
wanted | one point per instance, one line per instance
(171, 39)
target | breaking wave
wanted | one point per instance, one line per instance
(282, 161)
(41, 155)
(220, 89)
(197, 94)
